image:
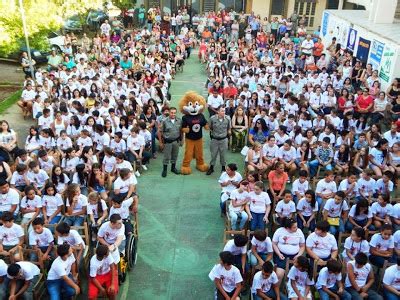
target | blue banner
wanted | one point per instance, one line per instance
(351, 41)
(325, 22)
(363, 49)
(376, 53)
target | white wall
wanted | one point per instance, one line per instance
(339, 28)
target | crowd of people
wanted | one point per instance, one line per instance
(298, 111)
(315, 211)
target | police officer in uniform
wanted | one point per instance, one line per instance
(170, 140)
(220, 130)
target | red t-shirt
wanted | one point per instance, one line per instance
(364, 102)
(277, 183)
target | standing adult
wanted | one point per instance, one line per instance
(220, 129)
(170, 133)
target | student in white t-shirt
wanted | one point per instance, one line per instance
(238, 208)
(300, 279)
(300, 186)
(321, 245)
(112, 235)
(354, 244)
(103, 274)
(391, 282)
(76, 205)
(22, 278)
(30, 206)
(329, 283)
(261, 248)
(3, 274)
(41, 239)
(335, 212)
(360, 278)
(52, 204)
(125, 185)
(72, 237)
(381, 211)
(288, 242)
(11, 235)
(226, 277)
(382, 245)
(307, 208)
(260, 206)
(285, 208)
(360, 215)
(265, 284)
(228, 181)
(238, 247)
(63, 276)
(365, 186)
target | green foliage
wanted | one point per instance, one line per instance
(124, 4)
(42, 16)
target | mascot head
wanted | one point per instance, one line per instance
(192, 104)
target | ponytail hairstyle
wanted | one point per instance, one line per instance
(288, 222)
(95, 195)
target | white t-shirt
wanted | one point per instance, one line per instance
(232, 248)
(380, 244)
(301, 279)
(229, 278)
(36, 202)
(3, 268)
(392, 277)
(287, 155)
(109, 162)
(92, 209)
(82, 202)
(366, 187)
(259, 202)
(325, 188)
(270, 152)
(362, 274)
(123, 211)
(262, 246)
(225, 177)
(306, 208)
(100, 267)
(288, 242)
(242, 198)
(52, 203)
(396, 239)
(335, 210)
(355, 247)
(39, 179)
(43, 239)
(29, 270)
(359, 217)
(327, 279)
(321, 246)
(9, 199)
(73, 239)
(109, 234)
(299, 187)
(285, 209)
(260, 283)
(10, 236)
(60, 267)
(123, 185)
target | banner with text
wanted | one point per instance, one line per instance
(363, 49)
(376, 52)
(387, 63)
(351, 41)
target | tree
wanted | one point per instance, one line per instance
(124, 4)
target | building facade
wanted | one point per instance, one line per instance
(312, 9)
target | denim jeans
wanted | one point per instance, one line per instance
(271, 294)
(301, 225)
(336, 229)
(74, 220)
(389, 295)
(325, 296)
(28, 294)
(349, 226)
(376, 260)
(372, 295)
(253, 260)
(59, 287)
(257, 221)
(234, 219)
(314, 167)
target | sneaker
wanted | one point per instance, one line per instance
(144, 167)
(137, 174)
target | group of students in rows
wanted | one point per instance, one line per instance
(321, 145)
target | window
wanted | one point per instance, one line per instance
(278, 7)
(307, 8)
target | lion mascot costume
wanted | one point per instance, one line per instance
(193, 121)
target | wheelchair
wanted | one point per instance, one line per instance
(129, 257)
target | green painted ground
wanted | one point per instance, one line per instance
(180, 229)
